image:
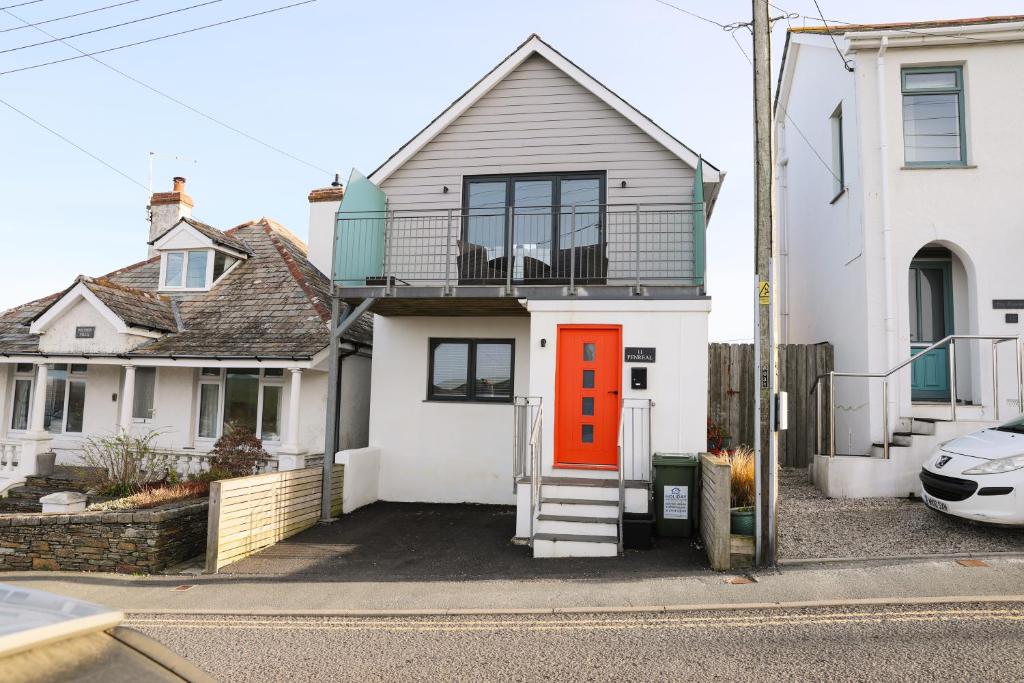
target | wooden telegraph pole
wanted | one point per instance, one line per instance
(765, 329)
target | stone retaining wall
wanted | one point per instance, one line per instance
(144, 541)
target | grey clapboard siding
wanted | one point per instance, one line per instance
(731, 390)
(540, 120)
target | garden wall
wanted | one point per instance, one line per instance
(143, 541)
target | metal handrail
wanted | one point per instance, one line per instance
(535, 473)
(950, 341)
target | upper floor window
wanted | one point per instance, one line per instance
(838, 158)
(185, 269)
(539, 225)
(933, 116)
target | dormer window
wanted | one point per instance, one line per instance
(222, 263)
(186, 269)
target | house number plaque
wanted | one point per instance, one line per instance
(85, 332)
(639, 354)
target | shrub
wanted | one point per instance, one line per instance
(128, 462)
(156, 496)
(743, 489)
(238, 453)
(718, 437)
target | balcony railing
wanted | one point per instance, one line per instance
(630, 245)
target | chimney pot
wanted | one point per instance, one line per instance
(179, 184)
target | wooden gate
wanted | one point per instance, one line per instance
(731, 387)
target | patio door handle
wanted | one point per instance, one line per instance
(614, 391)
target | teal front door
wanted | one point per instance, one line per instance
(931, 319)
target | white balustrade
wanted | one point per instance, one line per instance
(9, 455)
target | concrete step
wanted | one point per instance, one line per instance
(878, 452)
(593, 509)
(577, 528)
(572, 492)
(596, 482)
(916, 425)
(902, 439)
(570, 545)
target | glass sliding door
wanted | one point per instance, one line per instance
(532, 232)
(482, 249)
(580, 235)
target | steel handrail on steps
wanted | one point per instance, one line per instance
(535, 472)
(950, 341)
(622, 476)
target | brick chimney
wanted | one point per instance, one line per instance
(167, 208)
(323, 205)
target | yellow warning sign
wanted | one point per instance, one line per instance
(763, 293)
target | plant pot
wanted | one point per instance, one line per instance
(44, 464)
(741, 521)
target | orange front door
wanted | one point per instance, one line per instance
(588, 384)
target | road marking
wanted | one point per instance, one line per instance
(921, 616)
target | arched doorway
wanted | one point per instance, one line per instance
(931, 319)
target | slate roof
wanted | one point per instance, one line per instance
(275, 304)
(136, 307)
(215, 235)
(839, 29)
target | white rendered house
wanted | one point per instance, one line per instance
(899, 236)
(534, 259)
(215, 328)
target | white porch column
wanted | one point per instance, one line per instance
(36, 440)
(291, 456)
(124, 421)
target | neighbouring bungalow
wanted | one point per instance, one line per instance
(215, 328)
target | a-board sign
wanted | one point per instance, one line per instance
(639, 354)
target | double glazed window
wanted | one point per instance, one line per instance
(838, 157)
(185, 269)
(534, 216)
(64, 403)
(145, 388)
(933, 116)
(471, 370)
(240, 398)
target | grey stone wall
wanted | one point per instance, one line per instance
(144, 541)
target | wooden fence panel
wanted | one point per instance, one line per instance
(248, 514)
(731, 387)
(716, 474)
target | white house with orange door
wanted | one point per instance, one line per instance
(534, 259)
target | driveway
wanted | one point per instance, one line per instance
(460, 542)
(813, 526)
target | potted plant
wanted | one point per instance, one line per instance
(718, 437)
(742, 491)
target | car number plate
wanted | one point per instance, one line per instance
(935, 504)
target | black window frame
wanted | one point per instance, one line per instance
(472, 343)
(556, 200)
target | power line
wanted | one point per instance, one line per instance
(692, 14)
(71, 142)
(22, 4)
(67, 16)
(789, 118)
(167, 96)
(155, 39)
(112, 26)
(846, 62)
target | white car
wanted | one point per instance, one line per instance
(979, 476)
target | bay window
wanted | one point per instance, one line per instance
(245, 398)
(64, 404)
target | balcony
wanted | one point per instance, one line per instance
(606, 252)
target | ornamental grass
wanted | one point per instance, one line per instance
(156, 496)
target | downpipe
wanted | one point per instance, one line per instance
(890, 398)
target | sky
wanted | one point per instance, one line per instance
(342, 84)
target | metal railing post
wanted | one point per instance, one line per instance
(832, 413)
(952, 379)
(817, 424)
(995, 379)
(636, 256)
(448, 256)
(388, 227)
(572, 251)
(885, 417)
(509, 256)
(1018, 349)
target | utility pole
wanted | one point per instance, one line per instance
(766, 452)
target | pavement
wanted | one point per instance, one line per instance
(813, 526)
(968, 641)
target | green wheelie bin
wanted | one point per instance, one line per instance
(676, 499)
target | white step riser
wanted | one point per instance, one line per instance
(578, 528)
(578, 510)
(573, 549)
(580, 492)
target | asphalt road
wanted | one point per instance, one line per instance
(922, 642)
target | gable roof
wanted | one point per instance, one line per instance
(275, 304)
(535, 45)
(210, 232)
(909, 25)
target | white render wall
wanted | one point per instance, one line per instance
(59, 337)
(439, 451)
(966, 210)
(677, 381)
